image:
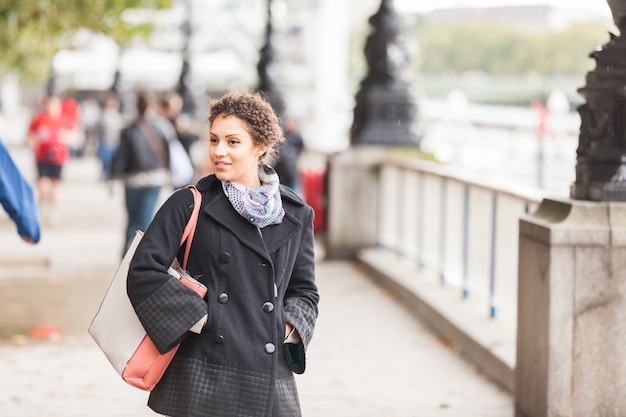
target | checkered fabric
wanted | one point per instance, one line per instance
(169, 313)
(194, 388)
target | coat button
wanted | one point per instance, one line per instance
(268, 307)
(270, 348)
(223, 298)
(219, 339)
(224, 257)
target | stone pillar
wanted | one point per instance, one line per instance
(352, 212)
(571, 335)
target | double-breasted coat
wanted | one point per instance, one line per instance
(257, 280)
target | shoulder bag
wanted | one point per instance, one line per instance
(117, 329)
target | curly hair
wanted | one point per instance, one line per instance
(257, 113)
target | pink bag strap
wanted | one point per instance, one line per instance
(190, 229)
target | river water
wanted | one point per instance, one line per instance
(506, 142)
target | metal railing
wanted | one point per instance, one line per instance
(462, 229)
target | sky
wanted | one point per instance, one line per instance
(422, 6)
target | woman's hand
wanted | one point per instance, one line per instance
(291, 334)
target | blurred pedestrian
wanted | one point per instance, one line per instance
(142, 162)
(17, 198)
(47, 135)
(108, 131)
(253, 248)
(172, 109)
(289, 153)
(181, 168)
(91, 113)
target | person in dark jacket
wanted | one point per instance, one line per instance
(289, 153)
(253, 248)
(142, 162)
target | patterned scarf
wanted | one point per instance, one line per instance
(262, 205)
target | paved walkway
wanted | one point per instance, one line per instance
(369, 357)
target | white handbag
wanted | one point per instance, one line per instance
(117, 329)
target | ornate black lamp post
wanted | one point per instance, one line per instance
(385, 108)
(117, 89)
(601, 153)
(267, 68)
(52, 87)
(184, 82)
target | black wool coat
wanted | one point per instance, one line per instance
(257, 280)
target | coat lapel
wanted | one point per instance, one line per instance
(277, 235)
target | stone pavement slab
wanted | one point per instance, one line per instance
(369, 358)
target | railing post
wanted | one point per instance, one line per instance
(379, 207)
(466, 214)
(492, 256)
(421, 221)
(442, 230)
(400, 211)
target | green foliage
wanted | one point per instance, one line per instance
(35, 29)
(503, 50)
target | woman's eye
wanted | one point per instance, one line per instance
(212, 140)
(233, 142)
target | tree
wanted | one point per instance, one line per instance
(35, 29)
(496, 49)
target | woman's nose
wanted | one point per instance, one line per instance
(219, 148)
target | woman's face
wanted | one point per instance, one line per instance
(233, 153)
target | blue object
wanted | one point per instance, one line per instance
(16, 197)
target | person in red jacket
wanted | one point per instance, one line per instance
(72, 124)
(46, 136)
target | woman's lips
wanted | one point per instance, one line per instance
(221, 164)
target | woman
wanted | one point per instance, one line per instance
(142, 162)
(253, 249)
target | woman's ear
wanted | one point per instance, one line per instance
(261, 149)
